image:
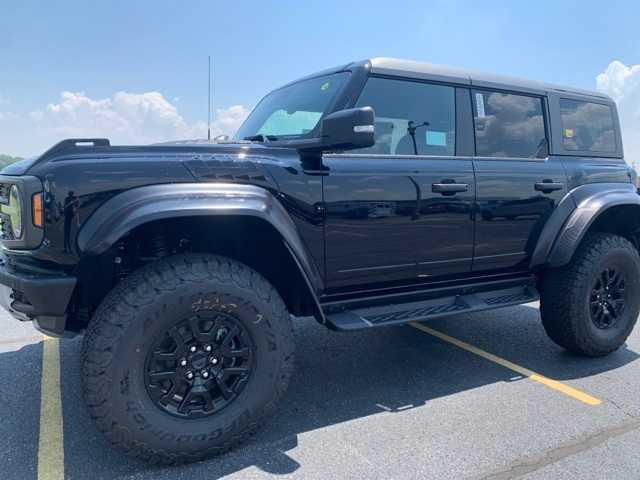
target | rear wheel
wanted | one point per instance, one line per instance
(591, 305)
(186, 357)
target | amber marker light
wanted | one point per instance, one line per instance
(37, 210)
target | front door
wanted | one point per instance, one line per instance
(401, 210)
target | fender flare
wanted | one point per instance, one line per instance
(132, 208)
(573, 217)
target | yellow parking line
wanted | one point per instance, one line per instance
(531, 375)
(51, 442)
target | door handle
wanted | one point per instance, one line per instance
(547, 186)
(449, 188)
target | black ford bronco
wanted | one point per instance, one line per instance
(372, 194)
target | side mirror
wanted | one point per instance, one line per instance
(345, 130)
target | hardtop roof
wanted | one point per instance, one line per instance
(398, 67)
(444, 73)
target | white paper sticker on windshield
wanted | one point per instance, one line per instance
(480, 105)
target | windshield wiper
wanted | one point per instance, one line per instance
(261, 138)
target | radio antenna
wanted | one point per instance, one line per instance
(209, 105)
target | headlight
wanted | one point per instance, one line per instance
(14, 210)
(22, 212)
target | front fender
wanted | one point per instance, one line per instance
(138, 206)
(573, 217)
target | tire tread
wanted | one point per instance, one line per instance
(120, 307)
(560, 303)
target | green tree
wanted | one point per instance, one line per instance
(8, 160)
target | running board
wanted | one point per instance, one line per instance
(399, 313)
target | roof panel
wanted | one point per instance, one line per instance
(430, 71)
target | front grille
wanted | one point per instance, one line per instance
(5, 223)
(4, 193)
(5, 228)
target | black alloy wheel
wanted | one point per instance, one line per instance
(591, 305)
(186, 357)
(199, 366)
(607, 298)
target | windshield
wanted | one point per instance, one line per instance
(293, 111)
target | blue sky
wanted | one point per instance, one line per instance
(100, 48)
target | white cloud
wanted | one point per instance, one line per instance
(227, 121)
(622, 83)
(124, 118)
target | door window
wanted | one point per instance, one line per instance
(411, 118)
(508, 125)
(587, 126)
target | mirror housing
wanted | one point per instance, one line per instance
(345, 130)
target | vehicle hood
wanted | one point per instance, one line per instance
(200, 157)
(19, 168)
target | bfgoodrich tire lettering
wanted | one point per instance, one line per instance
(142, 307)
(570, 296)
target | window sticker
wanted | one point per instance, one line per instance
(569, 133)
(435, 138)
(480, 105)
(325, 86)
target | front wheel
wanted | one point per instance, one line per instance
(186, 357)
(591, 305)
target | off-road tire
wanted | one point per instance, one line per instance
(142, 305)
(566, 295)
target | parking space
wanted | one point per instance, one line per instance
(387, 403)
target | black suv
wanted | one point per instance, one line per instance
(372, 194)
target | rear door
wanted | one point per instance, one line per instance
(401, 210)
(518, 183)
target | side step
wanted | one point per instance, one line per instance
(399, 313)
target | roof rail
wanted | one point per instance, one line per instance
(74, 145)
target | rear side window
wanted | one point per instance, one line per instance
(411, 118)
(587, 126)
(508, 125)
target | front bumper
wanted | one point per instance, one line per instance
(43, 298)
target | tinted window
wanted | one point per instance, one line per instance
(587, 126)
(411, 118)
(508, 125)
(293, 111)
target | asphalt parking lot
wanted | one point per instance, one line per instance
(388, 403)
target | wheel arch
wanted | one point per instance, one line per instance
(604, 207)
(212, 209)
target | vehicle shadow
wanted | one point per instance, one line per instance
(517, 334)
(342, 377)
